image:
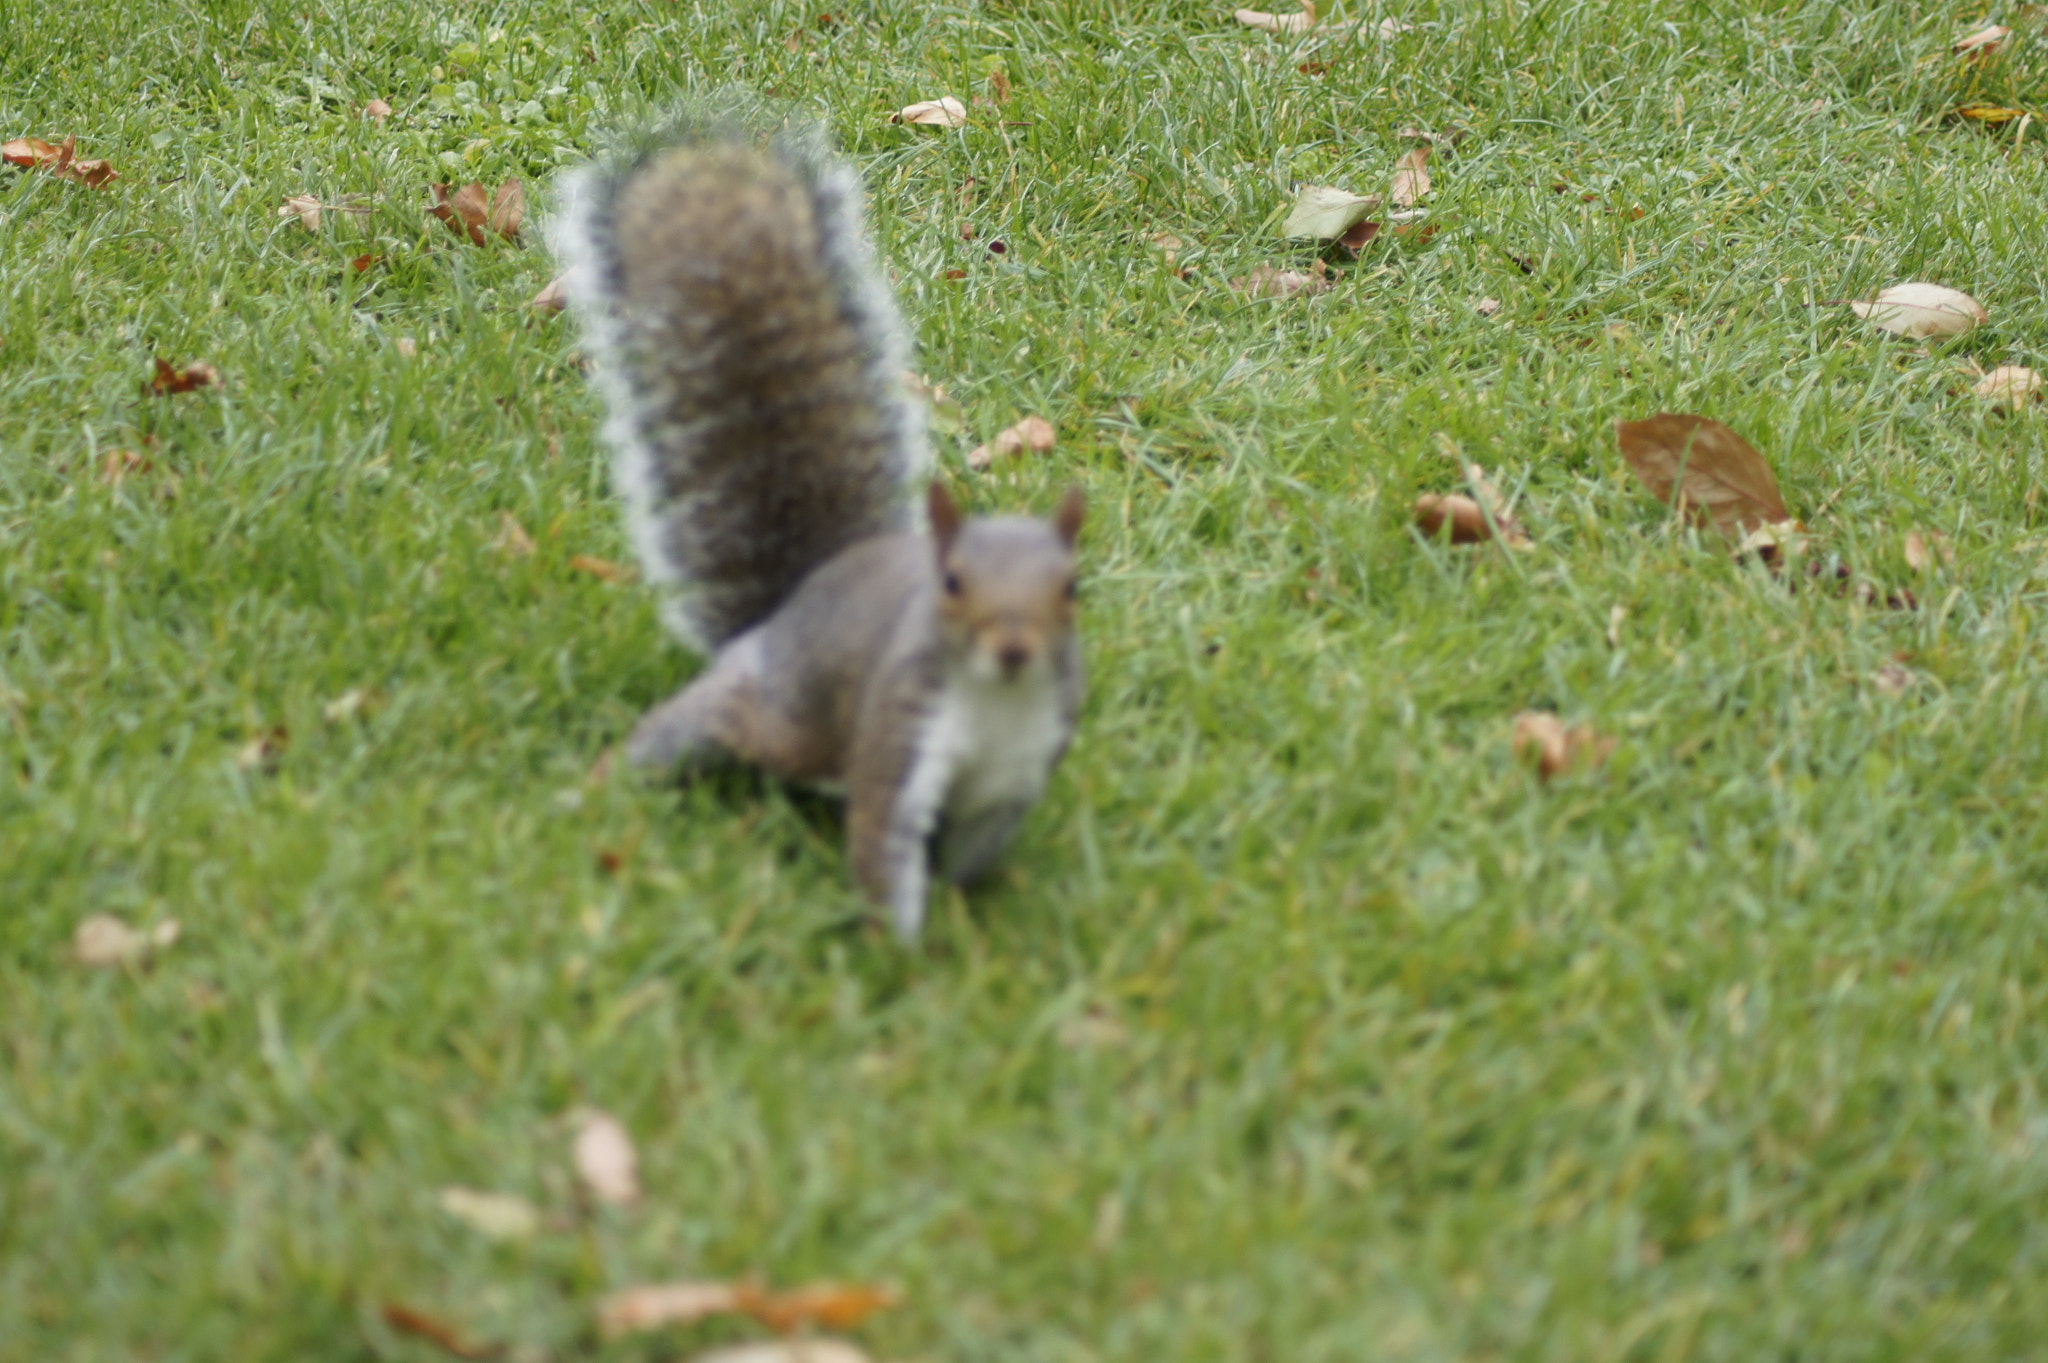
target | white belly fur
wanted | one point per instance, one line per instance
(1000, 742)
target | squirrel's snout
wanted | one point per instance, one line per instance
(1014, 657)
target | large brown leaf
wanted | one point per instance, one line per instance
(1700, 466)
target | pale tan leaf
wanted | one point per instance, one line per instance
(304, 207)
(512, 538)
(553, 298)
(1922, 550)
(102, 939)
(344, 706)
(1323, 212)
(377, 109)
(1771, 542)
(1283, 25)
(2013, 384)
(1411, 178)
(496, 1216)
(508, 209)
(943, 112)
(1696, 464)
(1921, 310)
(1556, 747)
(657, 1306)
(1894, 679)
(1981, 43)
(802, 1350)
(1487, 307)
(606, 1162)
(1268, 281)
(1032, 433)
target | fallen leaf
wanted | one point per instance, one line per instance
(345, 706)
(597, 567)
(497, 1216)
(408, 1321)
(1444, 140)
(406, 347)
(943, 112)
(1094, 1029)
(1559, 749)
(104, 940)
(836, 1306)
(1991, 115)
(1357, 238)
(1270, 282)
(118, 464)
(2009, 383)
(304, 207)
(552, 298)
(377, 109)
(606, 1161)
(1389, 29)
(943, 413)
(1773, 542)
(656, 1306)
(1324, 213)
(1616, 614)
(1985, 41)
(999, 86)
(1922, 550)
(470, 210)
(786, 1351)
(1921, 310)
(192, 376)
(1411, 178)
(1032, 433)
(262, 751)
(61, 160)
(1285, 25)
(365, 261)
(1894, 679)
(1487, 307)
(512, 537)
(1697, 465)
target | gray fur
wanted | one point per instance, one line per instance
(751, 359)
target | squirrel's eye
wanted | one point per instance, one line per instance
(1073, 589)
(952, 584)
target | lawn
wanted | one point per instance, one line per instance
(1305, 1023)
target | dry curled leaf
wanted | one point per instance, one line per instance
(1922, 550)
(377, 109)
(1921, 310)
(1559, 748)
(1487, 307)
(472, 210)
(606, 1162)
(601, 568)
(1284, 25)
(304, 207)
(1325, 213)
(943, 112)
(836, 1306)
(60, 160)
(1434, 511)
(1033, 433)
(1697, 465)
(192, 376)
(104, 940)
(656, 1306)
(1982, 43)
(406, 1320)
(1411, 178)
(497, 1216)
(1268, 281)
(2013, 384)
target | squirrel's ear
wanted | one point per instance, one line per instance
(1067, 519)
(945, 514)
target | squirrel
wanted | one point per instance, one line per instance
(751, 359)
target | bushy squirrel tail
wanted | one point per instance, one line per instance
(751, 358)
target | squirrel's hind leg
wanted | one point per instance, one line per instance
(715, 720)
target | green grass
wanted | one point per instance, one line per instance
(1306, 1025)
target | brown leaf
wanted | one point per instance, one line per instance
(999, 86)
(1559, 749)
(194, 375)
(553, 298)
(363, 262)
(1356, 239)
(1268, 281)
(1434, 511)
(468, 211)
(1699, 466)
(120, 463)
(606, 1162)
(61, 160)
(836, 1306)
(1033, 433)
(408, 1321)
(597, 567)
(377, 109)
(1411, 178)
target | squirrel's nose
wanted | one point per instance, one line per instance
(1013, 656)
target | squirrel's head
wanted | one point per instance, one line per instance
(1006, 585)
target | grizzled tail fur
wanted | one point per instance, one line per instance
(751, 359)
